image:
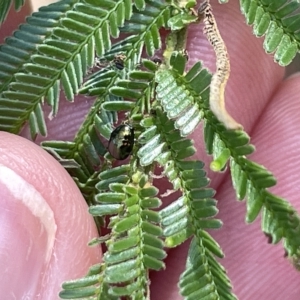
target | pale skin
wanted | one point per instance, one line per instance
(256, 96)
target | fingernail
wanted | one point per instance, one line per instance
(27, 235)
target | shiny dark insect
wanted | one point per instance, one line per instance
(121, 142)
(119, 61)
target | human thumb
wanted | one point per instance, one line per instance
(44, 223)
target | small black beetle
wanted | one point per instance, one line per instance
(119, 61)
(121, 142)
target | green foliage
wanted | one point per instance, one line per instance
(133, 247)
(5, 5)
(164, 102)
(63, 57)
(279, 23)
(204, 277)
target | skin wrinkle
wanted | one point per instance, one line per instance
(53, 183)
(254, 86)
(282, 107)
(257, 89)
(260, 59)
(14, 160)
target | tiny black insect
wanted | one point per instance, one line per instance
(121, 142)
(157, 60)
(119, 61)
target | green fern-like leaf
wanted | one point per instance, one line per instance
(177, 101)
(204, 277)
(134, 245)
(19, 90)
(72, 42)
(279, 23)
(148, 25)
(191, 213)
(87, 286)
(17, 49)
(5, 6)
(100, 121)
(250, 180)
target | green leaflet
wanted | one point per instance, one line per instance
(148, 23)
(76, 33)
(181, 20)
(4, 8)
(15, 54)
(136, 240)
(177, 102)
(204, 277)
(278, 22)
(128, 230)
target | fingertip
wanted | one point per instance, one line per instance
(45, 217)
